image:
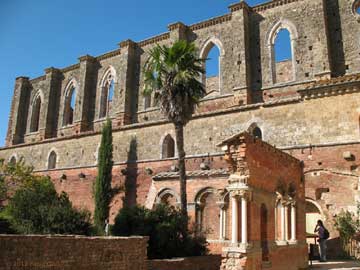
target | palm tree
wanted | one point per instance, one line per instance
(172, 74)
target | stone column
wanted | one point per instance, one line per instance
(293, 223)
(234, 220)
(283, 220)
(286, 222)
(222, 221)
(244, 236)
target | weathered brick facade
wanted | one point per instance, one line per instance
(311, 110)
(72, 252)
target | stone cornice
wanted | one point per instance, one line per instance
(272, 4)
(176, 25)
(238, 6)
(154, 39)
(51, 70)
(332, 87)
(70, 68)
(127, 43)
(38, 79)
(86, 57)
(108, 55)
(210, 22)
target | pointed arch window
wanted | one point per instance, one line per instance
(282, 42)
(107, 93)
(283, 57)
(52, 160)
(212, 52)
(35, 115)
(69, 108)
(168, 147)
(12, 161)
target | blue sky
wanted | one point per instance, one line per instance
(36, 34)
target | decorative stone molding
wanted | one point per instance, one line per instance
(176, 25)
(127, 43)
(154, 39)
(70, 68)
(86, 57)
(108, 55)
(272, 4)
(211, 22)
(238, 6)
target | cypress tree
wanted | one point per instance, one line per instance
(102, 189)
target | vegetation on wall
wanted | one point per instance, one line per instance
(172, 75)
(34, 207)
(164, 226)
(102, 188)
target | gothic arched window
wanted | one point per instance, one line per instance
(35, 115)
(52, 160)
(107, 93)
(168, 147)
(70, 103)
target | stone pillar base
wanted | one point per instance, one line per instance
(233, 258)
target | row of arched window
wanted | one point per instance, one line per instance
(70, 101)
(281, 49)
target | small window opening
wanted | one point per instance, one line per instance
(257, 133)
(12, 161)
(168, 147)
(52, 160)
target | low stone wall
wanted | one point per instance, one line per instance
(211, 262)
(72, 252)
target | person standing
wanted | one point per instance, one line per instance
(323, 236)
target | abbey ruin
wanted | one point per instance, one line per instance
(307, 106)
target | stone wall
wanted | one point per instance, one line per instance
(245, 38)
(211, 262)
(72, 252)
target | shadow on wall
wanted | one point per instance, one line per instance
(131, 175)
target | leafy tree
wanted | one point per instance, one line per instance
(172, 73)
(102, 189)
(168, 238)
(36, 208)
(347, 224)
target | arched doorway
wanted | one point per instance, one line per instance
(313, 214)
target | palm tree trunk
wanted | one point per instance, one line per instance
(179, 132)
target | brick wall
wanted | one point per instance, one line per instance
(72, 252)
(211, 262)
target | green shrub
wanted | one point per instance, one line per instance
(36, 208)
(347, 225)
(164, 226)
